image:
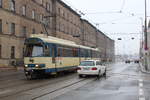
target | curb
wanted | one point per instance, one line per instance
(142, 69)
(3, 69)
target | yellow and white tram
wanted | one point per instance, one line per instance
(48, 55)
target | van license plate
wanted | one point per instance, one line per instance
(86, 68)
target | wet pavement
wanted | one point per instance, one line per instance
(123, 82)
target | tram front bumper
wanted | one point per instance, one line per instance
(28, 71)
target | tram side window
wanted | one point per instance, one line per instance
(0, 51)
(89, 53)
(59, 52)
(93, 54)
(82, 53)
(86, 53)
(67, 52)
(75, 52)
(47, 51)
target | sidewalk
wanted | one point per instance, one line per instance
(8, 68)
(143, 69)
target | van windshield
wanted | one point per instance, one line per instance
(87, 63)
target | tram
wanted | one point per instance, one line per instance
(50, 55)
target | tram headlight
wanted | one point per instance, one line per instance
(26, 65)
(36, 65)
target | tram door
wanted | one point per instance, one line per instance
(59, 59)
(53, 49)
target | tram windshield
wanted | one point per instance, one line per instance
(34, 51)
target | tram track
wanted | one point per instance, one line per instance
(51, 89)
(24, 81)
(30, 87)
(61, 88)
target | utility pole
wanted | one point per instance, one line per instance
(146, 25)
(146, 47)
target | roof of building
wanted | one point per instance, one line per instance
(65, 5)
(84, 20)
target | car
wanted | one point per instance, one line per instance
(136, 61)
(127, 61)
(91, 67)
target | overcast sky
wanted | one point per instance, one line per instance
(115, 16)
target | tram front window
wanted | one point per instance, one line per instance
(34, 51)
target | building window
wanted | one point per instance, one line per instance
(47, 7)
(41, 18)
(0, 26)
(12, 28)
(33, 31)
(12, 5)
(24, 10)
(12, 52)
(59, 26)
(33, 14)
(24, 30)
(1, 3)
(59, 11)
(62, 13)
(41, 2)
(0, 51)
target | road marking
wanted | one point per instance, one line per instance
(140, 85)
(141, 92)
(140, 80)
(142, 98)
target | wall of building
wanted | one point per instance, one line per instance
(7, 39)
(68, 23)
(90, 33)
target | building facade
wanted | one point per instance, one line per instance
(21, 18)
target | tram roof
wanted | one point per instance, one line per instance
(50, 39)
(85, 47)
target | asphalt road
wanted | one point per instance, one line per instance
(123, 82)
